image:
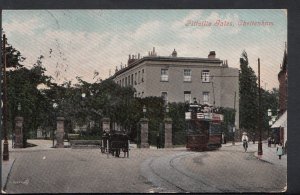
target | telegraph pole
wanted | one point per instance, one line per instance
(259, 152)
(5, 143)
(1, 127)
(233, 130)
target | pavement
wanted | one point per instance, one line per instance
(269, 154)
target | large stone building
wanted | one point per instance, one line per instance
(180, 79)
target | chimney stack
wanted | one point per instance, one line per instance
(212, 55)
(174, 53)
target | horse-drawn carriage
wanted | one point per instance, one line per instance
(203, 125)
(114, 142)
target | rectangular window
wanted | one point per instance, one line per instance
(205, 97)
(164, 95)
(132, 79)
(139, 77)
(135, 77)
(143, 75)
(125, 81)
(164, 76)
(187, 75)
(205, 76)
(187, 97)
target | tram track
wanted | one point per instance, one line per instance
(171, 164)
(162, 178)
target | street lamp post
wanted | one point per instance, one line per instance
(5, 143)
(55, 105)
(83, 95)
(260, 151)
(167, 110)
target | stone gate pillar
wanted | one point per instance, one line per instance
(144, 133)
(18, 142)
(105, 124)
(168, 133)
(60, 130)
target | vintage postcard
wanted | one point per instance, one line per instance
(144, 100)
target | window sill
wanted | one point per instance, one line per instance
(164, 81)
(187, 81)
(205, 81)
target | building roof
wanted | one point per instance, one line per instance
(281, 122)
(167, 59)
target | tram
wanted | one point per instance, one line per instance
(203, 126)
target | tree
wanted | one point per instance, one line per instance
(22, 85)
(248, 95)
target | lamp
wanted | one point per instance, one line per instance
(167, 109)
(144, 110)
(55, 105)
(269, 112)
(19, 107)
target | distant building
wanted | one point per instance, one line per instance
(180, 79)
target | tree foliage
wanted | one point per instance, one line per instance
(248, 95)
(249, 99)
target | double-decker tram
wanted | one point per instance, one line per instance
(203, 126)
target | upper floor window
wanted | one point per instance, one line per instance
(139, 77)
(187, 97)
(132, 79)
(143, 75)
(164, 76)
(135, 77)
(205, 97)
(164, 95)
(205, 76)
(187, 75)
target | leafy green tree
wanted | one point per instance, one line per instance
(22, 85)
(248, 96)
(270, 100)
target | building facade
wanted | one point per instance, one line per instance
(280, 126)
(180, 79)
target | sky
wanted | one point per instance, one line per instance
(83, 42)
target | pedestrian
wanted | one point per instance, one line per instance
(245, 141)
(285, 147)
(269, 142)
(223, 141)
(13, 140)
(157, 141)
(279, 150)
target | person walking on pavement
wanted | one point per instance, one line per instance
(279, 150)
(13, 140)
(269, 142)
(245, 141)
